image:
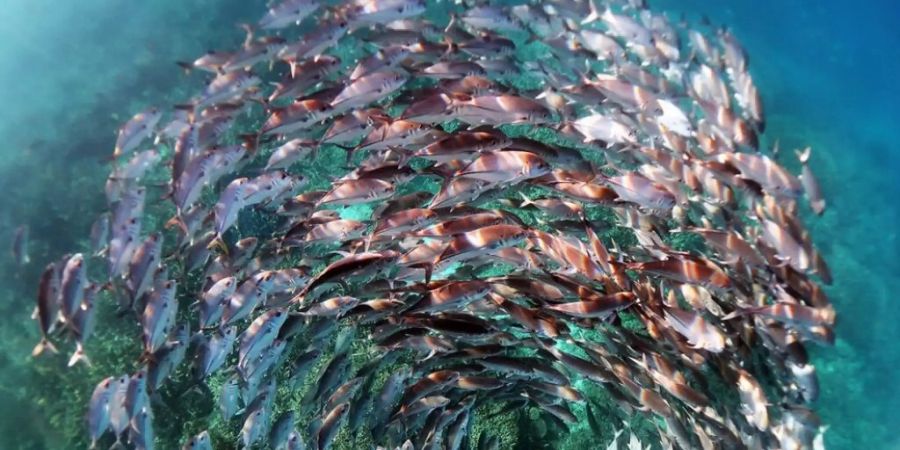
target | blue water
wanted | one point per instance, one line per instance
(827, 70)
(828, 74)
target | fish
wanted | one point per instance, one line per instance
(287, 13)
(212, 303)
(133, 133)
(20, 245)
(48, 303)
(472, 243)
(331, 422)
(326, 35)
(369, 89)
(141, 432)
(72, 286)
(227, 87)
(248, 295)
(699, 332)
(386, 11)
(298, 116)
(143, 265)
(259, 335)
(426, 232)
(214, 351)
(82, 325)
(159, 316)
(98, 409)
(228, 397)
(598, 127)
(596, 308)
(687, 270)
(810, 184)
(352, 192)
(305, 73)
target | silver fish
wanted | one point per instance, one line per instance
(287, 13)
(247, 297)
(159, 316)
(143, 265)
(228, 397)
(98, 409)
(74, 281)
(168, 357)
(47, 307)
(136, 130)
(20, 245)
(260, 335)
(214, 351)
(212, 301)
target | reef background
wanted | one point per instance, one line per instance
(70, 72)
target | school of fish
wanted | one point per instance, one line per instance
(497, 228)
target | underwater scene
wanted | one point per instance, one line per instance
(411, 224)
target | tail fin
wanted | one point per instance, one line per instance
(251, 141)
(79, 356)
(593, 16)
(219, 244)
(176, 221)
(185, 66)
(45, 344)
(526, 201)
(803, 155)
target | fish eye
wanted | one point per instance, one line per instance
(400, 9)
(343, 24)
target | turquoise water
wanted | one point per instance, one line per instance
(827, 72)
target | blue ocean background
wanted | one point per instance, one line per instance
(828, 72)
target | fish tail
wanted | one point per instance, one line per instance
(79, 356)
(593, 16)
(249, 30)
(44, 344)
(218, 243)
(737, 313)
(803, 155)
(251, 141)
(185, 66)
(525, 200)
(176, 221)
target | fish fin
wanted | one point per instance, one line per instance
(185, 66)
(734, 314)
(44, 344)
(593, 16)
(248, 39)
(176, 221)
(79, 356)
(218, 243)
(526, 201)
(803, 155)
(250, 141)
